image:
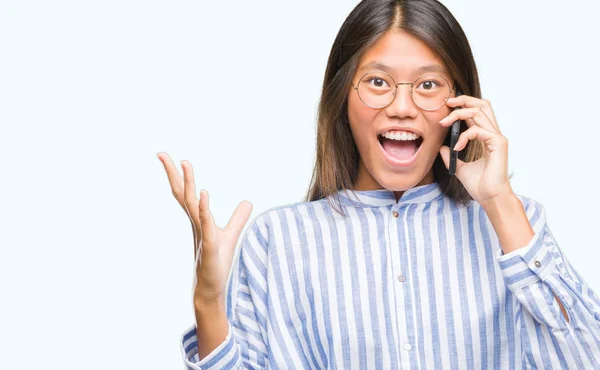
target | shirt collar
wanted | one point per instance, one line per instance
(383, 197)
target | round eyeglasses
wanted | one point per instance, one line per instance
(377, 89)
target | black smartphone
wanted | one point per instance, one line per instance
(454, 134)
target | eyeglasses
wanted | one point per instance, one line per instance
(377, 89)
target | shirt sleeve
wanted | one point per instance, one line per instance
(245, 345)
(535, 274)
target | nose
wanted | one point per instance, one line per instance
(402, 104)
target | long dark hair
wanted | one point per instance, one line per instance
(337, 156)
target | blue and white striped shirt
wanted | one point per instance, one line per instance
(417, 283)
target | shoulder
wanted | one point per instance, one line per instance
(275, 219)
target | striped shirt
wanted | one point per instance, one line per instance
(421, 282)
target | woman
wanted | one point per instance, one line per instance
(391, 262)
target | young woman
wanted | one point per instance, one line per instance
(391, 262)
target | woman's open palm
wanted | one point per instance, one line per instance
(214, 247)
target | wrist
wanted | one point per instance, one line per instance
(212, 325)
(509, 220)
(501, 202)
(210, 316)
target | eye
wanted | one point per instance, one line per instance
(429, 84)
(378, 82)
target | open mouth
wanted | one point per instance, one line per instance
(400, 151)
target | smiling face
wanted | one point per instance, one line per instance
(403, 54)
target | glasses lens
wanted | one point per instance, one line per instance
(430, 91)
(376, 89)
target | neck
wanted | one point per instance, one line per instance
(365, 181)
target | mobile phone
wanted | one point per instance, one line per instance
(454, 134)
(453, 140)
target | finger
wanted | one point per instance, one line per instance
(190, 204)
(472, 102)
(240, 216)
(197, 240)
(477, 116)
(189, 186)
(175, 180)
(479, 133)
(178, 189)
(457, 114)
(207, 224)
(445, 154)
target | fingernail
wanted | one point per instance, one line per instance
(445, 120)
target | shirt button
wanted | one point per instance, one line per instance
(401, 277)
(537, 263)
(395, 214)
(407, 346)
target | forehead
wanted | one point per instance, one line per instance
(401, 54)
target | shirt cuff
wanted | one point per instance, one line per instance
(526, 265)
(224, 354)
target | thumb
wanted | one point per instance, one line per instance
(445, 154)
(239, 218)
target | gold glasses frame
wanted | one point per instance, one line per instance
(396, 89)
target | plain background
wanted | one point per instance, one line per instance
(96, 264)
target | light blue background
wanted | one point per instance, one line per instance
(96, 257)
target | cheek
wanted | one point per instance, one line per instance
(436, 131)
(436, 140)
(361, 119)
(436, 116)
(439, 133)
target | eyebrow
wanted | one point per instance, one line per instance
(423, 69)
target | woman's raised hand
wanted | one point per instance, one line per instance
(214, 247)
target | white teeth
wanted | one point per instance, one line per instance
(400, 135)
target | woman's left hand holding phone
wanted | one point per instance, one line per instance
(487, 178)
